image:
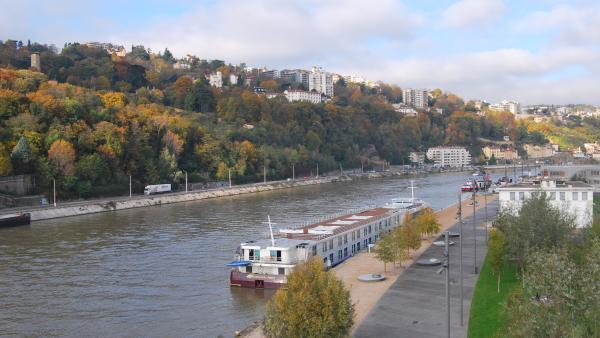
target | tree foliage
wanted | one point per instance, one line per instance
(496, 253)
(427, 222)
(314, 304)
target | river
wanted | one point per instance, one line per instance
(159, 271)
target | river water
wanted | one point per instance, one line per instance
(159, 271)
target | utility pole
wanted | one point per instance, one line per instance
(129, 186)
(486, 215)
(186, 182)
(293, 173)
(54, 190)
(460, 230)
(230, 177)
(317, 170)
(362, 166)
(341, 170)
(447, 268)
(264, 173)
(474, 236)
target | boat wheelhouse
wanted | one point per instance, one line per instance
(267, 263)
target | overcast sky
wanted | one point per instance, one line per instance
(533, 51)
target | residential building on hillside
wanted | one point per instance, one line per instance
(35, 62)
(449, 156)
(301, 95)
(404, 109)
(320, 81)
(535, 151)
(270, 74)
(509, 106)
(233, 79)
(500, 153)
(418, 98)
(417, 158)
(590, 173)
(216, 79)
(577, 198)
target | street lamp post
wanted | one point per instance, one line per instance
(486, 214)
(460, 229)
(447, 265)
(230, 177)
(264, 173)
(54, 191)
(186, 182)
(317, 170)
(293, 173)
(474, 235)
(129, 186)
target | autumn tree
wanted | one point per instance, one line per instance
(314, 304)
(411, 233)
(62, 155)
(22, 156)
(427, 222)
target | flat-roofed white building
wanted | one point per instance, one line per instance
(320, 81)
(449, 156)
(301, 95)
(216, 79)
(577, 198)
(417, 158)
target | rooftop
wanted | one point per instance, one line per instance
(547, 184)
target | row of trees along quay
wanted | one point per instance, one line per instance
(90, 119)
(541, 276)
(395, 245)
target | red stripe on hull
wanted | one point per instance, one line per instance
(256, 281)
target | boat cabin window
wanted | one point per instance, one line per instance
(275, 255)
(249, 269)
(281, 271)
(254, 254)
(314, 250)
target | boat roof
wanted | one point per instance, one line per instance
(334, 226)
(280, 242)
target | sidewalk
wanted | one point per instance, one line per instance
(415, 305)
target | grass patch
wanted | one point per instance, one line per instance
(486, 303)
(596, 205)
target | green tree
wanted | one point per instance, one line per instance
(496, 253)
(22, 156)
(314, 304)
(385, 249)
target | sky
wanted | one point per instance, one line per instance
(532, 51)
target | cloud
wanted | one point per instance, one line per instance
(274, 32)
(468, 13)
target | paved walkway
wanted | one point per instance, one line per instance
(415, 305)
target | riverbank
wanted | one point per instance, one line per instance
(78, 208)
(366, 295)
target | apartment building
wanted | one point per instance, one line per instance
(301, 95)
(320, 81)
(418, 98)
(449, 156)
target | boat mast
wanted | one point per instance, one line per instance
(271, 230)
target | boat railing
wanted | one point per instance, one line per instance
(269, 259)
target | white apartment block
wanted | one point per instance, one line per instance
(451, 156)
(320, 81)
(500, 153)
(577, 198)
(216, 79)
(418, 98)
(233, 79)
(301, 95)
(509, 106)
(417, 158)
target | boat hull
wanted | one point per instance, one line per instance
(256, 281)
(17, 220)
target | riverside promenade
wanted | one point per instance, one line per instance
(415, 304)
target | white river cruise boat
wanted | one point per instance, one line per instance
(265, 264)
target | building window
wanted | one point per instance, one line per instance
(365, 232)
(575, 195)
(325, 247)
(584, 196)
(521, 196)
(512, 195)
(340, 255)
(345, 252)
(552, 196)
(314, 250)
(369, 229)
(331, 244)
(562, 196)
(353, 236)
(357, 233)
(346, 239)
(339, 240)
(358, 246)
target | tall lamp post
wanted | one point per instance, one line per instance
(460, 229)
(186, 181)
(54, 191)
(474, 235)
(130, 186)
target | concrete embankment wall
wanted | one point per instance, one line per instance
(121, 204)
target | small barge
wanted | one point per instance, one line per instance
(13, 220)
